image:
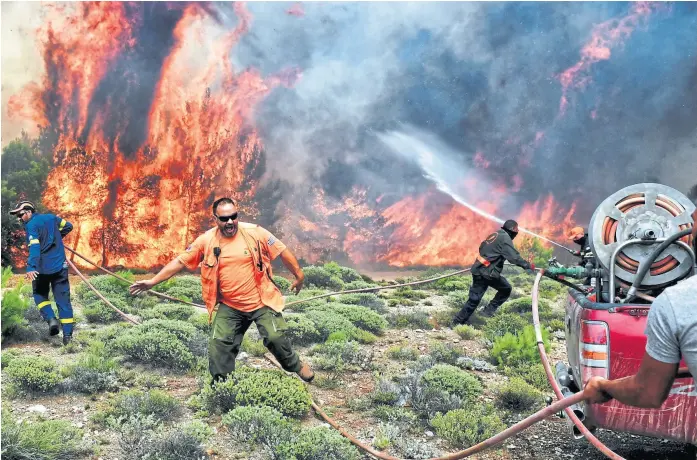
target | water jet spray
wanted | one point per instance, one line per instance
(421, 150)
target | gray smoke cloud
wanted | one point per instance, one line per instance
(481, 77)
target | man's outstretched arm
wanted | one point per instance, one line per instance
(168, 271)
(649, 388)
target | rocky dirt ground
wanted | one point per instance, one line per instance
(548, 440)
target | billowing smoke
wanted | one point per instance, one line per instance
(484, 78)
(536, 111)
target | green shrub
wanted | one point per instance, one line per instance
(185, 287)
(467, 426)
(345, 274)
(556, 325)
(397, 415)
(321, 278)
(361, 317)
(457, 299)
(253, 347)
(257, 387)
(467, 332)
(110, 287)
(443, 353)
(301, 330)
(364, 337)
(444, 317)
(409, 319)
(6, 275)
(142, 438)
(523, 306)
(551, 290)
(427, 401)
(32, 374)
(518, 350)
(200, 322)
(400, 353)
(453, 381)
(160, 346)
(521, 280)
(517, 395)
(318, 443)
(340, 355)
(99, 312)
(364, 299)
(260, 424)
(109, 334)
(9, 355)
(14, 306)
(93, 372)
(172, 311)
(306, 294)
(533, 374)
(41, 440)
(282, 283)
(385, 435)
(164, 343)
(327, 322)
(453, 283)
(361, 284)
(409, 293)
(386, 393)
(153, 403)
(502, 323)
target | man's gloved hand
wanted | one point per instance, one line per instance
(574, 252)
(531, 269)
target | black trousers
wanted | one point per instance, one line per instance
(479, 286)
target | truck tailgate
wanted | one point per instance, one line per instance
(676, 419)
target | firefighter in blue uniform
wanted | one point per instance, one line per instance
(46, 267)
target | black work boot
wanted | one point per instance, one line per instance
(461, 319)
(53, 326)
(67, 339)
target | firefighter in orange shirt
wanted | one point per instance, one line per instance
(235, 259)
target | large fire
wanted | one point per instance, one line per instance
(138, 162)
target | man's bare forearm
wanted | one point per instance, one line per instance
(168, 271)
(292, 264)
(631, 392)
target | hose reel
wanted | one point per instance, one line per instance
(643, 212)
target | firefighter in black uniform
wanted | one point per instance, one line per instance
(486, 271)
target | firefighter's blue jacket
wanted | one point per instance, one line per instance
(45, 234)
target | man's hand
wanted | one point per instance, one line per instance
(141, 286)
(574, 252)
(594, 391)
(31, 276)
(298, 284)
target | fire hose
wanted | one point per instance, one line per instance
(553, 382)
(563, 403)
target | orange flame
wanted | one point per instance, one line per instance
(140, 207)
(605, 36)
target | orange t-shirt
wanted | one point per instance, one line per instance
(236, 286)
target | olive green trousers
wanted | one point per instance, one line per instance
(228, 331)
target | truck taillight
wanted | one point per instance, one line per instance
(594, 348)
